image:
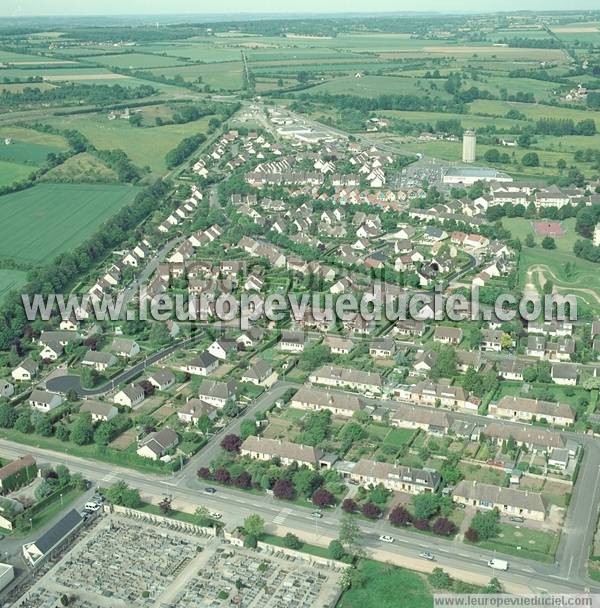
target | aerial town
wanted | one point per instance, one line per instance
(293, 457)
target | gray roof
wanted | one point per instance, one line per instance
(58, 531)
(218, 389)
(471, 490)
(204, 359)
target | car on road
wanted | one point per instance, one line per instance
(92, 507)
(216, 515)
(316, 514)
(427, 555)
(384, 538)
(209, 490)
(517, 519)
(498, 564)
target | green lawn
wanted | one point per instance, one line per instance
(388, 586)
(523, 542)
(398, 437)
(39, 223)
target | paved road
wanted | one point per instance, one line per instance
(69, 382)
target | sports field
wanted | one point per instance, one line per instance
(41, 222)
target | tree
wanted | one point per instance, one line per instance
(531, 159)
(426, 505)
(222, 476)
(205, 424)
(471, 535)
(103, 433)
(306, 481)
(439, 579)
(291, 541)
(283, 489)
(159, 334)
(336, 550)
(23, 422)
(323, 498)
(231, 443)
(349, 505)
(82, 431)
(165, 506)
(230, 410)
(444, 527)
(492, 156)
(8, 416)
(494, 586)
(529, 240)
(548, 243)
(43, 426)
(399, 516)
(62, 432)
(243, 481)
(247, 428)
(486, 525)
(254, 525)
(121, 494)
(350, 535)
(371, 511)
(204, 473)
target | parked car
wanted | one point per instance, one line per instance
(384, 538)
(209, 490)
(517, 519)
(92, 507)
(216, 515)
(427, 555)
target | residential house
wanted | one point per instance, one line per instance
(193, 409)
(448, 335)
(287, 452)
(162, 379)
(17, 473)
(44, 401)
(202, 365)
(7, 389)
(25, 371)
(130, 396)
(491, 340)
(100, 361)
(217, 393)
(522, 408)
(122, 347)
(315, 399)
(508, 501)
(382, 348)
(222, 348)
(338, 345)
(348, 378)
(155, 445)
(101, 412)
(393, 477)
(292, 342)
(565, 374)
(258, 373)
(251, 337)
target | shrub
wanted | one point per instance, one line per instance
(471, 535)
(283, 489)
(349, 505)
(371, 510)
(444, 527)
(400, 516)
(421, 524)
(222, 476)
(323, 498)
(204, 473)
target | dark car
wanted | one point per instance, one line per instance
(210, 490)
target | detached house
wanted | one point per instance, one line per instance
(222, 348)
(44, 401)
(217, 393)
(155, 445)
(162, 379)
(258, 372)
(292, 342)
(25, 371)
(202, 365)
(130, 396)
(191, 412)
(448, 335)
(315, 399)
(125, 348)
(101, 412)
(98, 360)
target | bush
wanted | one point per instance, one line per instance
(204, 473)
(349, 505)
(439, 579)
(421, 524)
(222, 476)
(323, 498)
(444, 527)
(291, 541)
(371, 510)
(471, 535)
(283, 489)
(243, 481)
(486, 524)
(400, 516)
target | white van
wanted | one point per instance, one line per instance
(498, 564)
(92, 507)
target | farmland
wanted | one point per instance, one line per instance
(11, 280)
(144, 146)
(41, 222)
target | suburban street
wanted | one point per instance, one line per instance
(186, 490)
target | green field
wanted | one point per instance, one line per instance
(135, 61)
(370, 86)
(388, 586)
(226, 76)
(41, 222)
(12, 172)
(144, 146)
(523, 542)
(11, 280)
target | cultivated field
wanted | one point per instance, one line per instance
(41, 222)
(11, 280)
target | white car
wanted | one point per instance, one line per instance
(386, 539)
(427, 555)
(92, 507)
(216, 515)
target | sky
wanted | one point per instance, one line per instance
(18, 8)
